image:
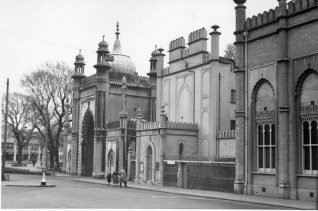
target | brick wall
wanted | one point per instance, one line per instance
(170, 175)
(216, 177)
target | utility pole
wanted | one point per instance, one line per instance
(4, 152)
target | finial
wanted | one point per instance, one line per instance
(215, 27)
(139, 113)
(155, 47)
(80, 51)
(162, 109)
(239, 2)
(160, 50)
(103, 37)
(117, 30)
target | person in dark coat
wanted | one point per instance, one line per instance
(115, 178)
(123, 178)
(109, 178)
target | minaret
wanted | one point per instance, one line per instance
(77, 76)
(101, 104)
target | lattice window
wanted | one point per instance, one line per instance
(309, 119)
(266, 142)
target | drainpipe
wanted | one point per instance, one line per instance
(219, 105)
(245, 34)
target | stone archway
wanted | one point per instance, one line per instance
(111, 161)
(87, 144)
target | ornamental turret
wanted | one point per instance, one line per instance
(79, 66)
(103, 57)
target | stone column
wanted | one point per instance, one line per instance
(162, 133)
(29, 152)
(138, 139)
(39, 154)
(99, 136)
(283, 104)
(128, 165)
(240, 165)
(14, 151)
(65, 135)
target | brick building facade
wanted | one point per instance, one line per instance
(277, 98)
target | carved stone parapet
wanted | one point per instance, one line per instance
(309, 112)
(266, 117)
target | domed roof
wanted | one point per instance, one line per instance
(103, 44)
(155, 52)
(79, 57)
(122, 63)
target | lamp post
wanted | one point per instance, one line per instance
(44, 169)
(4, 152)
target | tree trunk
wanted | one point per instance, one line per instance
(57, 159)
(19, 154)
(51, 158)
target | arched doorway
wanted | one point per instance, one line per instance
(149, 163)
(111, 161)
(88, 144)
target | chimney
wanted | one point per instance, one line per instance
(215, 43)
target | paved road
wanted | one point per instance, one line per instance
(72, 194)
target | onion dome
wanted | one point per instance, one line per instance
(103, 45)
(155, 52)
(122, 63)
(79, 57)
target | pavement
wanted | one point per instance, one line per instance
(294, 204)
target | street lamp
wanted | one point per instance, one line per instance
(44, 169)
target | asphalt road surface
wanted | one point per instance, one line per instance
(73, 194)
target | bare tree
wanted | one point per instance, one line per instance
(21, 120)
(230, 51)
(49, 87)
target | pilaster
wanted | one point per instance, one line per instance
(283, 102)
(240, 165)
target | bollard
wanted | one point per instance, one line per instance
(43, 181)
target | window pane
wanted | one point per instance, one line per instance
(260, 157)
(267, 157)
(307, 158)
(306, 133)
(273, 157)
(266, 134)
(273, 134)
(315, 158)
(314, 138)
(260, 135)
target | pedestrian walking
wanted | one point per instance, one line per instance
(109, 178)
(33, 162)
(123, 178)
(115, 178)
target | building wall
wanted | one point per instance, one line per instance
(281, 66)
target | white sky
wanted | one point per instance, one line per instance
(35, 31)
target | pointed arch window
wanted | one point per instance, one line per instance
(265, 128)
(309, 119)
(180, 151)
